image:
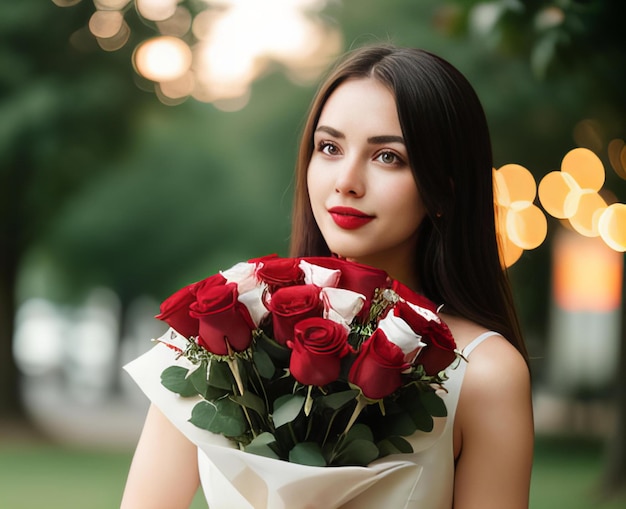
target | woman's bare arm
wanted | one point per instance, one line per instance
(164, 470)
(495, 420)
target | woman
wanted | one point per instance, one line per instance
(395, 171)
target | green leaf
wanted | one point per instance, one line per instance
(433, 404)
(203, 414)
(412, 403)
(198, 378)
(404, 423)
(359, 431)
(220, 375)
(222, 416)
(214, 393)
(394, 445)
(287, 408)
(230, 420)
(261, 446)
(357, 452)
(337, 400)
(175, 379)
(252, 401)
(275, 350)
(263, 363)
(422, 419)
(307, 453)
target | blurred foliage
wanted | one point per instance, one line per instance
(60, 114)
(55, 121)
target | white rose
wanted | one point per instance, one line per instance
(253, 300)
(242, 273)
(319, 276)
(341, 305)
(400, 334)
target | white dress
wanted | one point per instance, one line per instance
(232, 479)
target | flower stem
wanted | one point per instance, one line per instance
(361, 403)
(308, 404)
(234, 369)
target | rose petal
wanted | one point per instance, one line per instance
(243, 274)
(401, 334)
(253, 300)
(319, 276)
(341, 305)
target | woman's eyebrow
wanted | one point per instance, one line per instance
(374, 140)
(330, 130)
(389, 138)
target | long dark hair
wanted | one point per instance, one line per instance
(449, 150)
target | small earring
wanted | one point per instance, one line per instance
(438, 214)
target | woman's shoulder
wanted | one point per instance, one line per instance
(494, 363)
(495, 402)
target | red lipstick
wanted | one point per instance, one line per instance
(349, 218)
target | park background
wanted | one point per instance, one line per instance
(114, 194)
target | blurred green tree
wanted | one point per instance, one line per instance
(55, 126)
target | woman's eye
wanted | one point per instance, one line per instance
(389, 158)
(330, 149)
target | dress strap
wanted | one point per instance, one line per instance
(477, 341)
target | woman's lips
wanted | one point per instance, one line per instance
(349, 218)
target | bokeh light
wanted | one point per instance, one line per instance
(520, 224)
(573, 192)
(526, 225)
(178, 24)
(110, 5)
(612, 226)
(617, 156)
(65, 3)
(585, 168)
(164, 58)
(589, 206)
(117, 41)
(554, 189)
(106, 24)
(587, 274)
(225, 45)
(156, 10)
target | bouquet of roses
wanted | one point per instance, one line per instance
(317, 360)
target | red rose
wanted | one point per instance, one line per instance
(222, 318)
(280, 272)
(318, 347)
(291, 304)
(175, 309)
(439, 352)
(378, 367)
(357, 277)
(262, 259)
(415, 298)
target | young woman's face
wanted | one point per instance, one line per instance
(363, 194)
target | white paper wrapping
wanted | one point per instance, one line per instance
(233, 479)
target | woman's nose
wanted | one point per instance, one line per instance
(350, 178)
